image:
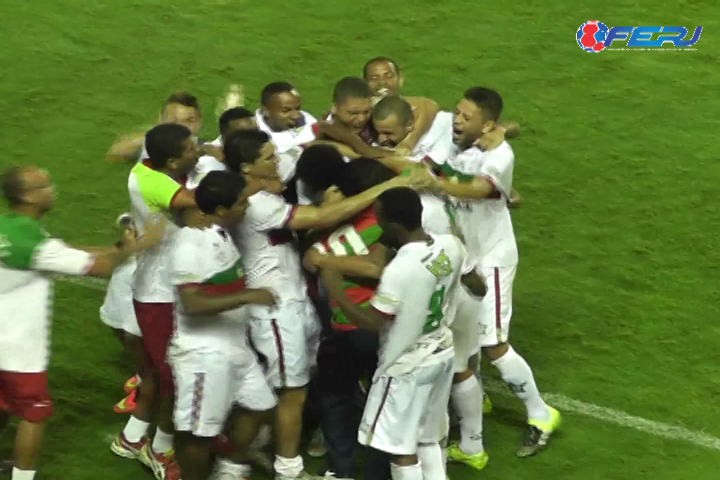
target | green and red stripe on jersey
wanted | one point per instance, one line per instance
(366, 226)
(231, 280)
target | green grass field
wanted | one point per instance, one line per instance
(617, 292)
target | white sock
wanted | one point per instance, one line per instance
(135, 429)
(467, 399)
(23, 474)
(236, 470)
(410, 472)
(162, 442)
(431, 462)
(515, 371)
(288, 467)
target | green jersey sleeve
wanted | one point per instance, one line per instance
(20, 237)
(157, 189)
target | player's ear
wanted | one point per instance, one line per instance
(401, 80)
(333, 109)
(488, 126)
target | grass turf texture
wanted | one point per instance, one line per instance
(616, 297)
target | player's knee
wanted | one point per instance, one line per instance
(460, 377)
(496, 352)
(404, 460)
(33, 409)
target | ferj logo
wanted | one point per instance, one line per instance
(595, 36)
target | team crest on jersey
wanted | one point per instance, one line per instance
(441, 266)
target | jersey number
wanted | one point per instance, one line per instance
(344, 241)
(435, 311)
(4, 246)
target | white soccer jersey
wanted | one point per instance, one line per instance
(269, 259)
(416, 287)
(152, 193)
(436, 146)
(486, 223)
(27, 258)
(288, 143)
(207, 258)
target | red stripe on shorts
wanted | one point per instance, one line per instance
(279, 348)
(498, 317)
(380, 408)
(198, 387)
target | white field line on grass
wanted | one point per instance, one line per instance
(557, 400)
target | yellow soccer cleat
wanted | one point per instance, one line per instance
(476, 461)
(487, 405)
(539, 434)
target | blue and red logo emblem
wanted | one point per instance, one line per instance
(595, 36)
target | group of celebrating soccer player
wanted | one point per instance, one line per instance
(295, 279)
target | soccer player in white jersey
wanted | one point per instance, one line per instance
(480, 183)
(287, 336)
(213, 365)
(406, 411)
(156, 186)
(28, 258)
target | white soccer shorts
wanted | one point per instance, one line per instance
(117, 310)
(496, 307)
(289, 341)
(406, 410)
(466, 329)
(209, 383)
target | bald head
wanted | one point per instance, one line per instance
(28, 187)
(393, 105)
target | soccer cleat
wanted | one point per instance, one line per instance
(487, 405)
(476, 461)
(127, 404)
(163, 465)
(538, 434)
(316, 448)
(126, 449)
(131, 384)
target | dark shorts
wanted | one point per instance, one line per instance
(25, 395)
(156, 325)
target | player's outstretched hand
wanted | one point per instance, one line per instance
(402, 151)
(311, 260)
(492, 139)
(213, 151)
(419, 179)
(153, 232)
(265, 297)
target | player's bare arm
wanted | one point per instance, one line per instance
(367, 319)
(106, 259)
(397, 164)
(477, 189)
(424, 112)
(344, 135)
(364, 266)
(474, 283)
(195, 301)
(307, 217)
(341, 147)
(126, 148)
(183, 199)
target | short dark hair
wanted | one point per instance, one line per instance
(219, 189)
(393, 105)
(362, 174)
(183, 98)
(320, 166)
(229, 115)
(165, 141)
(486, 99)
(11, 184)
(351, 87)
(402, 206)
(272, 89)
(243, 147)
(380, 59)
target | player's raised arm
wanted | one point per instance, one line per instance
(363, 266)
(126, 148)
(424, 112)
(345, 136)
(307, 217)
